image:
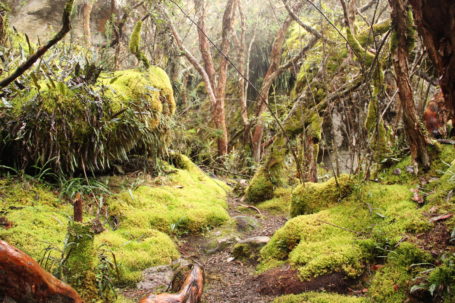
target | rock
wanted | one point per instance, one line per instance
(156, 278)
(159, 278)
(246, 223)
(397, 171)
(248, 249)
(216, 245)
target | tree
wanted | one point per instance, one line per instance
(402, 44)
(214, 79)
(435, 21)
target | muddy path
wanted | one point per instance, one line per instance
(229, 280)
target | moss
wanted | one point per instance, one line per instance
(135, 44)
(311, 197)
(280, 202)
(91, 135)
(391, 283)
(378, 137)
(270, 175)
(186, 201)
(39, 218)
(390, 175)
(341, 238)
(363, 55)
(80, 262)
(443, 187)
(136, 249)
(314, 297)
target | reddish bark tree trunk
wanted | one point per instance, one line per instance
(23, 280)
(435, 21)
(86, 14)
(413, 126)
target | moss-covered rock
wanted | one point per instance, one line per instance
(280, 202)
(311, 197)
(334, 240)
(270, 175)
(314, 297)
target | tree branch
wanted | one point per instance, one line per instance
(66, 27)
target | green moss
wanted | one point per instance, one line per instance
(314, 297)
(136, 249)
(443, 187)
(270, 175)
(389, 175)
(311, 197)
(80, 261)
(391, 283)
(187, 201)
(91, 135)
(341, 238)
(39, 219)
(135, 44)
(280, 202)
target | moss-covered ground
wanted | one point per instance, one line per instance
(374, 223)
(141, 224)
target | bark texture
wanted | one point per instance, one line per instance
(435, 21)
(86, 15)
(23, 280)
(191, 290)
(415, 132)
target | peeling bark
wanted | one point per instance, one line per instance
(23, 280)
(435, 21)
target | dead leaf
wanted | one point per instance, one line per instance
(441, 218)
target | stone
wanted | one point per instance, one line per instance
(248, 249)
(159, 278)
(246, 223)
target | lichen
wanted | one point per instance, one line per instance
(311, 197)
(314, 297)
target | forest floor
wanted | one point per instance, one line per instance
(228, 280)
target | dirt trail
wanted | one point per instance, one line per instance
(227, 280)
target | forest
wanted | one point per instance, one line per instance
(227, 151)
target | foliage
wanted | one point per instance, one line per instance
(313, 297)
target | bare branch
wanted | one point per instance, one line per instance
(66, 27)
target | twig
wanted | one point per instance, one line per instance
(66, 27)
(252, 207)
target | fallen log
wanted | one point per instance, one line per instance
(25, 281)
(190, 292)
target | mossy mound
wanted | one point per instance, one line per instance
(342, 238)
(136, 249)
(392, 282)
(188, 201)
(311, 197)
(76, 125)
(314, 297)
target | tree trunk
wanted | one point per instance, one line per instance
(86, 14)
(270, 76)
(24, 280)
(435, 21)
(413, 126)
